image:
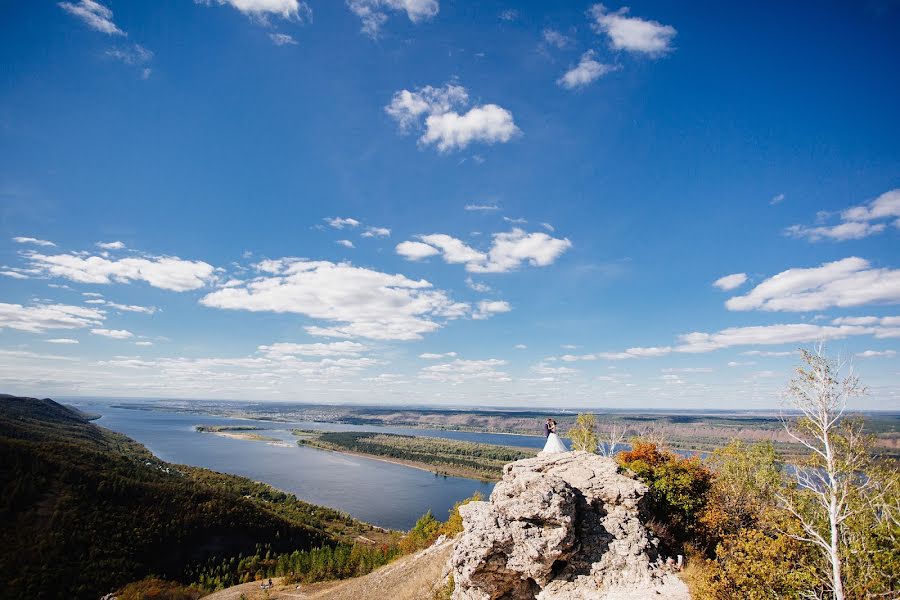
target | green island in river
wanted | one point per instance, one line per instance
(442, 456)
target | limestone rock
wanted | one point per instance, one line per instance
(563, 527)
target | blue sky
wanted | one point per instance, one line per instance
(434, 202)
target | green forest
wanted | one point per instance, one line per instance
(85, 511)
(448, 457)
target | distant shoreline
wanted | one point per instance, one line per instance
(450, 472)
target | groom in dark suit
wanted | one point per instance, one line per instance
(547, 428)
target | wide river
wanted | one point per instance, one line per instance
(381, 493)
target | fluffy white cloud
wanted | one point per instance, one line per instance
(261, 9)
(877, 354)
(341, 222)
(476, 286)
(555, 38)
(585, 72)
(462, 371)
(415, 250)
(632, 34)
(360, 302)
(730, 282)
(31, 240)
(509, 250)
(61, 341)
(95, 15)
(445, 127)
(345, 243)
(164, 272)
(520, 347)
(481, 207)
(857, 222)
(130, 55)
(453, 250)
(116, 334)
(768, 353)
(282, 349)
(42, 317)
(143, 343)
(111, 245)
(433, 356)
(376, 232)
(777, 199)
(282, 39)
(886, 321)
(848, 282)
(487, 308)
(14, 274)
(373, 12)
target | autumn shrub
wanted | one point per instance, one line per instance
(153, 588)
(454, 524)
(679, 489)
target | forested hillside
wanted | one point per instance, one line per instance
(84, 510)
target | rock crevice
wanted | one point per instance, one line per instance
(562, 527)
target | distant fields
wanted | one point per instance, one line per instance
(443, 456)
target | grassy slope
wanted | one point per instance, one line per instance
(84, 510)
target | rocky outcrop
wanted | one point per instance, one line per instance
(564, 527)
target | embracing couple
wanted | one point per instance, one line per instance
(554, 444)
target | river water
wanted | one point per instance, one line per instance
(374, 491)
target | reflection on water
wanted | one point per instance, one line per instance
(381, 493)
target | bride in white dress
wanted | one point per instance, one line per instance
(554, 445)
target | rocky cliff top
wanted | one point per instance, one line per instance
(564, 527)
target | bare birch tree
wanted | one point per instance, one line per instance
(612, 435)
(830, 481)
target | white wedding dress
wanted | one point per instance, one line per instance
(554, 445)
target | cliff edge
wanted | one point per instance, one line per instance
(562, 527)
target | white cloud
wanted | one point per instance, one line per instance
(14, 274)
(345, 243)
(164, 272)
(841, 232)
(147, 310)
(555, 38)
(282, 349)
(768, 353)
(282, 39)
(359, 302)
(262, 9)
(632, 33)
(454, 251)
(516, 221)
(688, 370)
(507, 252)
(885, 321)
(777, 199)
(730, 282)
(94, 14)
(131, 55)
(61, 341)
(416, 250)
(433, 356)
(520, 347)
(735, 363)
(462, 371)
(31, 240)
(341, 222)
(476, 286)
(488, 308)
(877, 354)
(143, 343)
(42, 317)
(585, 72)
(446, 128)
(116, 334)
(510, 14)
(376, 232)
(543, 369)
(482, 207)
(848, 282)
(548, 227)
(856, 223)
(373, 13)
(111, 245)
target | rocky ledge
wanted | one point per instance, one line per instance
(563, 527)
